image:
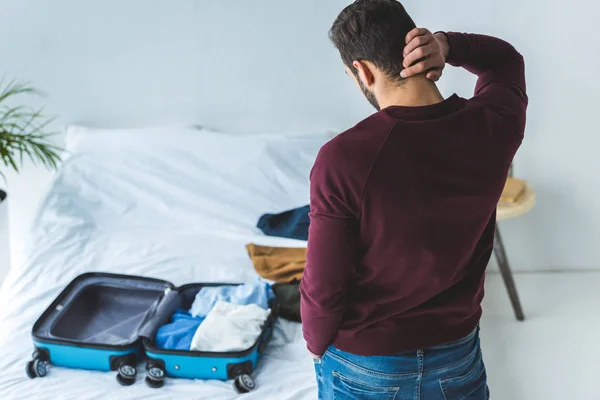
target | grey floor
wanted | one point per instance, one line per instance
(555, 353)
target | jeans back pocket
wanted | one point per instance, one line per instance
(348, 389)
(470, 386)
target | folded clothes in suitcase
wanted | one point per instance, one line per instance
(109, 322)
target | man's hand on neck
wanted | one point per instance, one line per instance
(424, 60)
(425, 53)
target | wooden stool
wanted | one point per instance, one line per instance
(524, 205)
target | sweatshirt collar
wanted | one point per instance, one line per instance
(440, 109)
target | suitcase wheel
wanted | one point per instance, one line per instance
(244, 384)
(155, 377)
(126, 375)
(36, 369)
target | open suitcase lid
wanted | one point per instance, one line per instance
(110, 311)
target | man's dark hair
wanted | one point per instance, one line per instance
(375, 31)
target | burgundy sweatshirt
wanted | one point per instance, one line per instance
(403, 210)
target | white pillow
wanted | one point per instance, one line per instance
(81, 139)
(189, 173)
(216, 148)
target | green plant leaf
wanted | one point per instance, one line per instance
(14, 88)
(23, 131)
(10, 162)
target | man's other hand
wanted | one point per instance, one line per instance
(425, 52)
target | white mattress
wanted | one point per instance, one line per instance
(176, 206)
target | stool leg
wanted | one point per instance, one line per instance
(507, 275)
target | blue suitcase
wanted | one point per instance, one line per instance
(108, 322)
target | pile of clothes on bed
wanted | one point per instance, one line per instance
(283, 265)
(230, 318)
(221, 319)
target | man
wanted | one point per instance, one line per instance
(403, 211)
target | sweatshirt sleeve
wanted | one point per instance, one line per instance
(332, 251)
(501, 74)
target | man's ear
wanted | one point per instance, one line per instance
(364, 73)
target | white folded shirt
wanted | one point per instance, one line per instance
(230, 327)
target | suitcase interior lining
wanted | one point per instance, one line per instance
(106, 314)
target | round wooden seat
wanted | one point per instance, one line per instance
(523, 206)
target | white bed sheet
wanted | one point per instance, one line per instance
(175, 208)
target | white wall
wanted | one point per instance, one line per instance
(267, 65)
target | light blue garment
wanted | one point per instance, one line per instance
(253, 292)
(178, 334)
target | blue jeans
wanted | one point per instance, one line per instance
(450, 372)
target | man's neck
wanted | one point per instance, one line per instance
(414, 92)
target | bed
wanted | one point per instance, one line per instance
(173, 203)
